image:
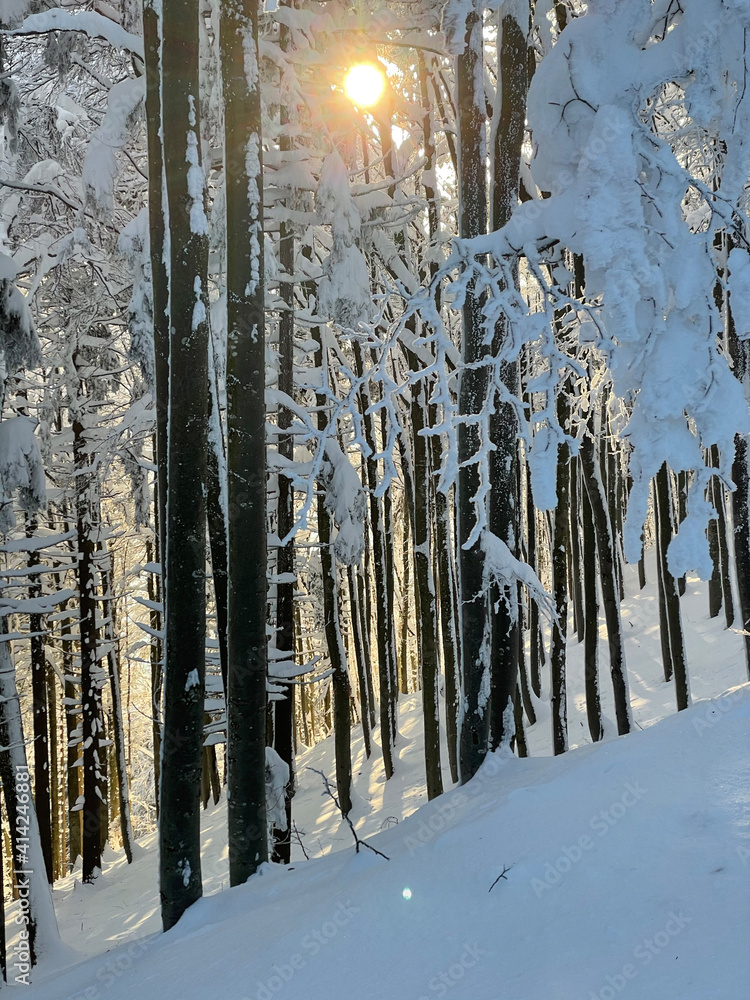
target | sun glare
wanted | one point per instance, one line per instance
(364, 84)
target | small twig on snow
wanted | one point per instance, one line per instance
(299, 840)
(357, 841)
(501, 875)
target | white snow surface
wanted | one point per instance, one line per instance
(627, 864)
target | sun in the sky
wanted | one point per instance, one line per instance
(364, 84)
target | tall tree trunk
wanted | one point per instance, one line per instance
(340, 686)
(118, 726)
(725, 583)
(91, 675)
(363, 593)
(184, 558)
(448, 606)
(591, 619)
(246, 707)
(472, 392)
(216, 516)
(360, 659)
(285, 639)
(605, 548)
(739, 351)
(444, 559)
(575, 552)
(407, 538)
(425, 597)
(406, 589)
(672, 620)
(559, 583)
(157, 212)
(72, 723)
(536, 642)
(156, 649)
(383, 604)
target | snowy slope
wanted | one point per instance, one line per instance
(628, 875)
(122, 908)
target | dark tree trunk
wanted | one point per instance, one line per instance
(157, 667)
(536, 642)
(739, 351)
(72, 723)
(383, 602)
(246, 696)
(519, 735)
(591, 619)
(90, 671)
(426, 604)
(118, 728)
(448, 606)
(681, 512)
(359, 655)
(406, 589)
(722, 546)
(472, 391)
(579, 618)
(340, 686)
(337, 655)
(285, 625)
(217, 528)
(605, 547)
(671, 622)
(526, 699)
(407, 538)
(559, 583)
(184, 557)
(157, 211)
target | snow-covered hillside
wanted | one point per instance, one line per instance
(627, 874)
(628, 869)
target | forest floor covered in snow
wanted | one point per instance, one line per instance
(627, 866)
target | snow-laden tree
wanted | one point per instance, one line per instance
(633, 201)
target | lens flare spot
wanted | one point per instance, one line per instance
(406, 893)
(364, 84)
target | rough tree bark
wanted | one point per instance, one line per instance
(184, 558)
(472, 392)
(246, 454)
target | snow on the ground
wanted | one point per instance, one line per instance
(629, 867)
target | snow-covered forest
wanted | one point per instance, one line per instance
(374, 442)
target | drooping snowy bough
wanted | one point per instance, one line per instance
(639, 119)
